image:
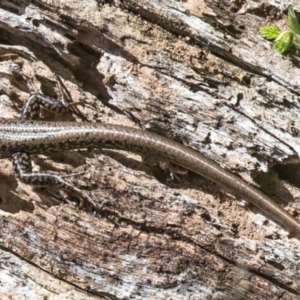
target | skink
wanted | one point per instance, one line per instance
(19, 139)
(34, 137)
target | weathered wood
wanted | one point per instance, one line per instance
(194, 71)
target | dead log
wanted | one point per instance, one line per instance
(194, 71)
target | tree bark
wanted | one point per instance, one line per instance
(194, 71)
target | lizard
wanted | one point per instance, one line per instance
(21, 138)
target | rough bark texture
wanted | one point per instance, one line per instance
(194, 71)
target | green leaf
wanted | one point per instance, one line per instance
(292, 21)
(296, 41)
(284, 41)
(270, 32)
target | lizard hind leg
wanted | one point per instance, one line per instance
(22, 162)
(23, 169)
(35, 102)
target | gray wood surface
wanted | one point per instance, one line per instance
(194, 71)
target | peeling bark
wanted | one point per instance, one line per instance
(194, 71)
